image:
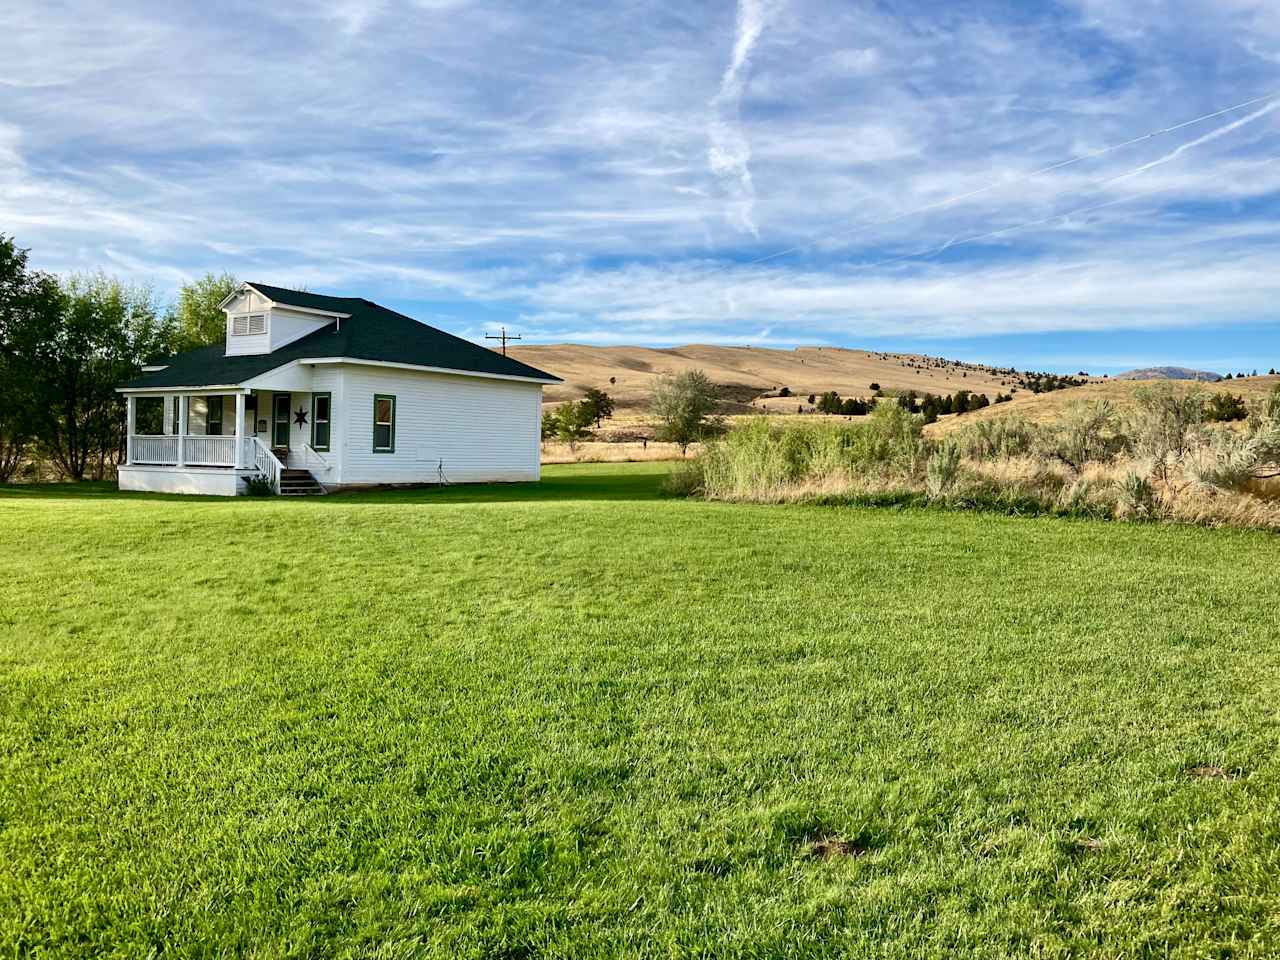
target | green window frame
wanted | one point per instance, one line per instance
(384, 423)
(281, 420)
(213, 416)
(321, 427)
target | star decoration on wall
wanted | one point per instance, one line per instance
(300, 417)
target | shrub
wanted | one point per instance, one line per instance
(1087, 432)
(1137, 496)
(259, 485)
(942, 470)
(1232, 461)
(1078, 497)
(1224, 407)
(684, 480)
(1166, 423)
(1010, 435)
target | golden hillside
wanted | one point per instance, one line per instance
(747, 372)
(1047, 407)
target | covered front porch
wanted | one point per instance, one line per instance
(213, 442)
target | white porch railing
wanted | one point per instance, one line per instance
(159, 450)
(197, 451)
(258, 456)
(210, 451)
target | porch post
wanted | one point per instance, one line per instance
(239, 431)
(182, 430)
(130, 426)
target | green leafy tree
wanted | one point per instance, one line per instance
(73, 344)
(830, 402)
(600, 404)
(200, 320)
(17, 428)
(573, 422)
(683, 402)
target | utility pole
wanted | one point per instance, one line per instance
(504, 337)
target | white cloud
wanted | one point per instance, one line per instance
(607, 164)
(729, 153)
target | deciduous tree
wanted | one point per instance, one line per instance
(600, 404)
(199, 318)
(683, 402)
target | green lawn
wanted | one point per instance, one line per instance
(579, 720)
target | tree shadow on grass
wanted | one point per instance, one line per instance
(569, 482)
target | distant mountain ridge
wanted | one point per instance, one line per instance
(1169, 373)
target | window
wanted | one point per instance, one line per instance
(177, 415)
(245, 324)
(384, 423)
(213, 417)
(320, 408)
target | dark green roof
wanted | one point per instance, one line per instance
(371, 332)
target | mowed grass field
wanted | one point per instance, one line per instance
(579, 720)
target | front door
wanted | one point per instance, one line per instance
(280, 420)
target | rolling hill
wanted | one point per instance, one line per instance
(745, 373)
(1047, 407)
(1169, 373)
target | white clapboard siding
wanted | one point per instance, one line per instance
(286, 326)
(478, 429)
(243, 344)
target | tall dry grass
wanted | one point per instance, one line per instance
(1162, 461)
(590, 451)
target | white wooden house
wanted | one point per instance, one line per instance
(317, 393)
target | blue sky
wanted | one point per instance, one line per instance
(632, 172)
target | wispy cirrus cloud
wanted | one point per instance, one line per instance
(616, 172)
(729, 153)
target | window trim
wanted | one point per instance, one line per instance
(248, 319)
(391, 424)
(276, 421)
(328, 421)
(213, 402)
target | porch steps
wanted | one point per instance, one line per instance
(298, 483)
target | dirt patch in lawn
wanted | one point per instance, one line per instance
(834, 847)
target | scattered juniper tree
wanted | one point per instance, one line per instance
(600, 404)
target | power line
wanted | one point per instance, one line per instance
(504, 337)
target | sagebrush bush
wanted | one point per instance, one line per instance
(1089, 432)
(1166, 425)
(1011, 435)
(942, 470)
(1137, 496)
(1159, 462)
